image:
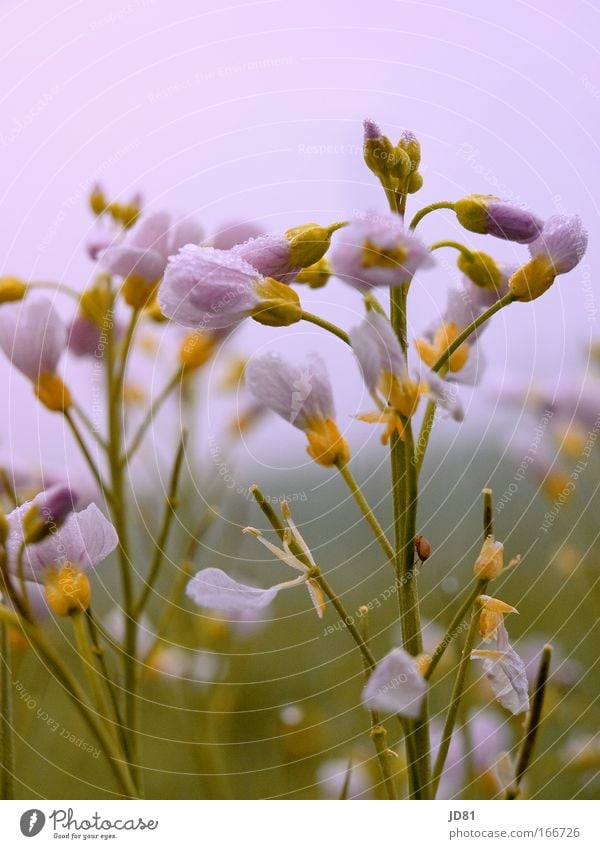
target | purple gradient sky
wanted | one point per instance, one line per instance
(254, 111)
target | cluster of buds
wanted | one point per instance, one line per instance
(396, 166)
(123, 213)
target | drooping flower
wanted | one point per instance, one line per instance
(505, 672)
(495, 217)
(141, 256)
(377, 251)
(493, 611)
(216, 589)
(33, 336)
(282, 257)
(557, 250)
(302, 395)
(61, 559)
(396, 685)
(206, 288)
(386, 375)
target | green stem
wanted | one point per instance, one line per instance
(125, 348)
(114, 386)
(449, 243)
(454, 627)
(424, 434)
(441, 204)
(88, 424)
(77, 696)
(7, 755)
(161, 542)
(326, 325)
(155, 406)
(378, 731)
(465, 658)
(533, 723)
(471, 328)
(365, 509)
(61, 288)
(88, 662)
(87, 456)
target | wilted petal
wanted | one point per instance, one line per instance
(395, 685)
(506, 673)
(215, 589)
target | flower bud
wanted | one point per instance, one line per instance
(12, 289)
(308, 243)
(495, 217)
(137, 291)
(415, 182)
(196, 349)
(422, 548)
(315, 276)
(95, 304)
(481, 269)
(97, 199)
(378, 151)
(68, 591)
(53, 393)
(4, 528)
(48, 513)
(278, 305)
(410, 144)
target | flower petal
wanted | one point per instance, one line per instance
(33, 336)
(395, 685)
(216, 589)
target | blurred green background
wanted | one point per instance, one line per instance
(276, 709)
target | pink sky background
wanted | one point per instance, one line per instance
(254, 111)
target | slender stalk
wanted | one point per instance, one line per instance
(424, 434)
(378, 731)
(155, 406)
(24, 597)
(98, 653)
(326, 325)
(457, 692)
(459, 683)
(449, 243)
(365, 509)
(88, 424)
(88, 662)
(471, 328)
(441, 204)
(60, 288)
(7, 754)
(161, 542)
(88, 457)
(453, 628)
(125, 349)
(77, 696)
(8, 487)
(114, 386)
(533, 724)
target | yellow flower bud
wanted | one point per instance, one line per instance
(415, 182)
(98, 202)
(12, 289)
(53, 393)
(326, 445)
(481, 268)
(315, 275)
(4, 528)
(137, 291)
(95, 304)
(471, 212)
(310, 242)
(378, 154)
(532, 279)
(279, 304)
(196, 349)
(490, 561)
(68, 590)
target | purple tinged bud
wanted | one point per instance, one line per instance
(58, 502)
(371, 129)
(507, 221)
